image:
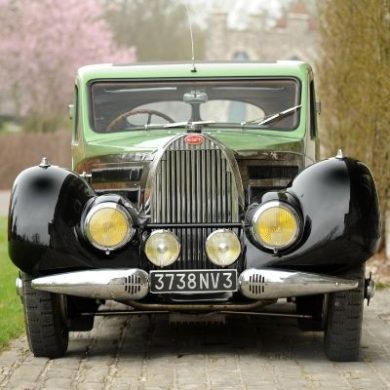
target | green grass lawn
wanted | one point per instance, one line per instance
(11, 315)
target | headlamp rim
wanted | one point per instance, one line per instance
(163, 231)
(224, 230)
(266, 206)
(108, 205)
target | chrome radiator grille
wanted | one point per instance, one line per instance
(194, 184)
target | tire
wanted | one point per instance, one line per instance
(344, 319)
(312, 305)
(45, 320)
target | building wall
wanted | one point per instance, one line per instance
(293, 37)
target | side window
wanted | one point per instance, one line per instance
(76, 125)
(313, 111)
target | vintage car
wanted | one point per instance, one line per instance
(195, 190)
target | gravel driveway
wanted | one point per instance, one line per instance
(149, 353)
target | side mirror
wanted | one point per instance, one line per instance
(71, 111)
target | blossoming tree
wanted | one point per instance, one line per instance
(42, 44)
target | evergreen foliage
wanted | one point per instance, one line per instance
(354, 84)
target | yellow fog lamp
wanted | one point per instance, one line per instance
(276, 225)
(162, 248)
(223, 247)
(108, 226)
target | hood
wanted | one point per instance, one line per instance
(243, 142)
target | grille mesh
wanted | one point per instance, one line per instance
(194, 184)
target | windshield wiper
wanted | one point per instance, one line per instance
(273, 117)
(187, 124)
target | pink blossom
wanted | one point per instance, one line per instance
(42, 44)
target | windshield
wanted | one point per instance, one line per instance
(133, 105)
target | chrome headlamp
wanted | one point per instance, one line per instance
(162, 248)
(108, 226)
(223, 247)
(276, 225)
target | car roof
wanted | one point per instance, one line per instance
(297, 69)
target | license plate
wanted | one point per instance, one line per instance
(194, 281)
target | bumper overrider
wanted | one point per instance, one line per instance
(134, 284)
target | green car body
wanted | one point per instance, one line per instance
(87, 144)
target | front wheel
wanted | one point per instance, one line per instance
(45, 320)
(344, 318)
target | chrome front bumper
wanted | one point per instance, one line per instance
(133, 284)
(116, 284)
(270, 283)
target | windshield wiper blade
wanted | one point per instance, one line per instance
(188, 124)
(152, 126)
(273, 117)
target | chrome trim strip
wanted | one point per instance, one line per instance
(117, 284)
(271, 283)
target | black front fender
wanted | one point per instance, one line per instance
(45, 213)
(339, 205)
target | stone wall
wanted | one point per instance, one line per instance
(294, 36)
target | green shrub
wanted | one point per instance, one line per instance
(11, 314)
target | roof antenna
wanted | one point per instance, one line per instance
(193, 67)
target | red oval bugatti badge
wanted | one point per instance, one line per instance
(194, 139)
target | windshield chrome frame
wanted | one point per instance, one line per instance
(218, 125)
